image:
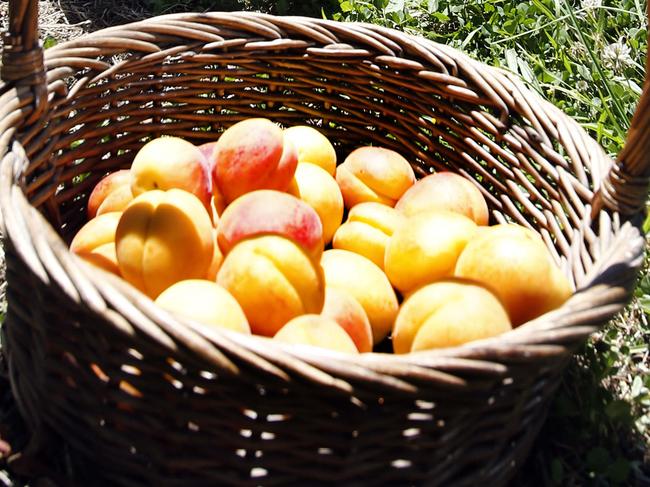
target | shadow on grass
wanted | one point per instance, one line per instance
(589, 437)
(98, 14)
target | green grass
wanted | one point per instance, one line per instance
(559, 48)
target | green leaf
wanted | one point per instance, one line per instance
(510, 26)
(637, 386)
(440, 17)
(619, 471)
(598, 458)
(79, 178)
(584, 72)
(432, 6)
(551, 40)
(644, 302)
(636, 349)
(557, 471)
(49, 42)
(511, 60)
(567, 64)
(618, 410)
(565, 406)
(395, 6)
(643, 286)
(528, 74)
(346, 6)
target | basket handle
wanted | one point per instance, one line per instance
(22, 55)
(625, 187)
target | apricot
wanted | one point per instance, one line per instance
(164, 237)
(425, 248)
(107, 185)
(205, 302)
(116, 200)
(274, 280)
(253, 154)
(445, 191)
(312, 147)
(374, 174)
(448, 313)
(317, 331)
(217, 206)
(96, 232)
(514, 262)
(171, 162)
(313, 185)
(95, 241)
(362, 279)
(217, 201)
(217, 258)
(367, 230)
(347, 312)
(103, 256)
(265, 212)
(209, 153)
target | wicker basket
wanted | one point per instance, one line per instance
(140, 398)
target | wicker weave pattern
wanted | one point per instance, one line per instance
(141, 398)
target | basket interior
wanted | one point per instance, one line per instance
(438, 108)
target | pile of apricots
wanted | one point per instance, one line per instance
(262, 232)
